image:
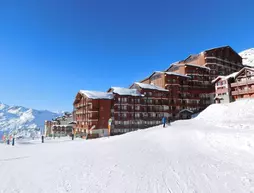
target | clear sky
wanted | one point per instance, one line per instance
(50, 49)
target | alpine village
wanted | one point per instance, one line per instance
(184, 89)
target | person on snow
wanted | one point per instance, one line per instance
(164, 120)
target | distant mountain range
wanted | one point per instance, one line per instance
(248, 57)
(22, 118)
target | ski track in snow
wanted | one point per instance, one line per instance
(193, 156)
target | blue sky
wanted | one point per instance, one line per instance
(50, 49)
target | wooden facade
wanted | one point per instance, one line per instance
(243, 87)
(222, 61)
(138, 107)
(92, 112)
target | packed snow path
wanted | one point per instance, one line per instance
(198, 155)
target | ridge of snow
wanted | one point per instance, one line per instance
(96, 94)
(233, 75)
(248, 57)
(126, 91)
(150, 86)
(238, 114)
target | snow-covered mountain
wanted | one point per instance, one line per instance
(21, 118)
(248, 57)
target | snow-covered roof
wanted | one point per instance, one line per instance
(245, 68)
(198, 66)
(96, 94)
(125, 91)
(186, 110)
(177, 74)
(220, 98)
(150, 86)
(233, 75)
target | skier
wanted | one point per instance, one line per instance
(164, 121)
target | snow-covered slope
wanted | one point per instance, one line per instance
(17, 117)
(239, 114)
(248, 57)
(211, 153)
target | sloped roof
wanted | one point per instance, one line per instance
(96, 94)
(197, 66)
(150, 86)
(177, 74)
(233, 75)
(245, 68)
(220, 47)
(125, 91)
(185, 110)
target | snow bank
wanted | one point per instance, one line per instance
(205, 154)
(238, 115)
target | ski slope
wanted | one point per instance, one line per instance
(212, 153)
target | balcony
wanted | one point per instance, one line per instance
(247, 91)
(235, 84)
(220, 91)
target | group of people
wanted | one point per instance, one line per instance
(8, 139)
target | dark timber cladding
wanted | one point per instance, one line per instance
(243, 87)
(222, 61)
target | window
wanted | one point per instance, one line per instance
(137, 115)
(124, 107)
(137, 108)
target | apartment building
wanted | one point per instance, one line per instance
(155, 104)
(92, 112)
(189, 88)
(138, 107)
(221, 60)
(223, 88)
(126, 110)
(60, 126)
(243, 86)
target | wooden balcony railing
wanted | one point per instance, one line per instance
(247, 91)
(235, 84)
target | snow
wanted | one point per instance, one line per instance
(96, 94)
(233, 75)
(211, 153)
(125, 91)
(177, 74)
(172, 73)
(197, 66)
(186, 110)
(150, 86)
(22, 118)
(248, 57)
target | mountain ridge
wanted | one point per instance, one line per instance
(13, 118)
